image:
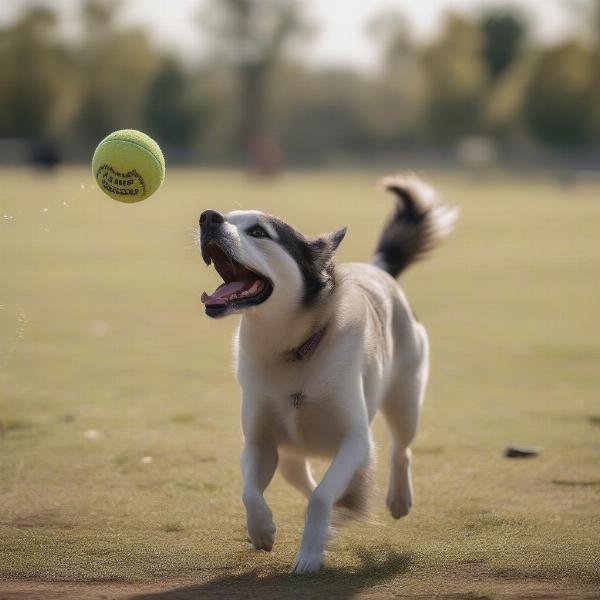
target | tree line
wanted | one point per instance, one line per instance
(481, 76)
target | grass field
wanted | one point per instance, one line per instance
(119, 415)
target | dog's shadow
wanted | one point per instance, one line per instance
(377, 566)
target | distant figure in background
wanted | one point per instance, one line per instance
(476, 154)
(45, 155)
(266, 156)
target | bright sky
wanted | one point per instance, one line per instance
(341, 37)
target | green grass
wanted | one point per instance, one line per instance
(101, 328)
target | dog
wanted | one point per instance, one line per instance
(321, 347)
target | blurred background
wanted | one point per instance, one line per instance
(273, 83)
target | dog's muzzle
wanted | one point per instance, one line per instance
(242, 287)
(211, 224)
(211, 219)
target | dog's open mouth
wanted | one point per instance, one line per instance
(241, 286)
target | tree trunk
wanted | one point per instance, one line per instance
(252, 106)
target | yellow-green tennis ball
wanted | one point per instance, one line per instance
(128, 165)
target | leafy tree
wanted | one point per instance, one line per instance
(391, 32)
(32, 71)
(251, 36)
(116, 68)
(393, 108)
(457, 79)
(319, 115)
(562, 95)
(503, 34)
(171, 113)
(596, 22)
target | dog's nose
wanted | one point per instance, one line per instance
(210, 218)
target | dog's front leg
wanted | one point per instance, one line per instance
(259, 461)
(353, 454)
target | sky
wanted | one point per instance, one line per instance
(341, 39)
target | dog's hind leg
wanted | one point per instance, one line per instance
(401, 411)
(356, 496)
(296, 471)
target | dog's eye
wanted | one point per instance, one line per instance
(257, 231)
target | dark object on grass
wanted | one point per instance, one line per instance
(45, 155)
(590, 483)
(520, 452)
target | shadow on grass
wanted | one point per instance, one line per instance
(329, 583)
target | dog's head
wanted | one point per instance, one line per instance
(265, 263)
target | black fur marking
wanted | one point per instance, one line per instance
(313, 257)
(414, 228)
(406, 209)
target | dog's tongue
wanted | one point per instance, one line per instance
(222, 293)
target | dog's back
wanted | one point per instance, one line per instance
(369, 299)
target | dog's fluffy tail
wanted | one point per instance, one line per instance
(419, 222)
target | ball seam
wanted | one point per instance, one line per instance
(149, 152)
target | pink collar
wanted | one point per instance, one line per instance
(302, 351)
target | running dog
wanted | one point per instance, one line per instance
(322, 347)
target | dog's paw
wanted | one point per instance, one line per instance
(261, 529)
(307, 562)
(263, 540)
(399, 504)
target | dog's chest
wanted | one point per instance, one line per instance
(305, 416)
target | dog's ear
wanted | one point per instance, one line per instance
(329, 242)
(325, 245)
(335, 238)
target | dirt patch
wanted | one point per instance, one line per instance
(590, 483)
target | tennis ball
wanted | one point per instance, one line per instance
(128, 165)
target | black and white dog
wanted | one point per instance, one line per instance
(320, 349)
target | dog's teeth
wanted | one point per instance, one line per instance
(256, 287)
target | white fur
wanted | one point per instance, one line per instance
(373, 356)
